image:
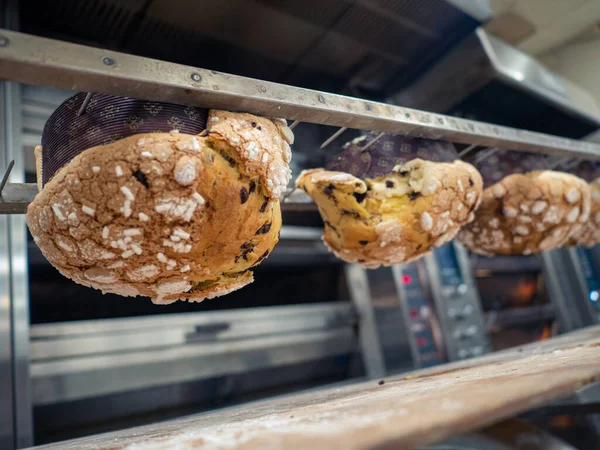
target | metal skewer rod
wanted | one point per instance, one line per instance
(6, 175)
(559, 162)
(485, 154)
(333, 137)
(466, 151)
(84, 105)
(294, 123)
(572, 164)
(285, 197)
(379, 136)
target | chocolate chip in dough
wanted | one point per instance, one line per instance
(229, 159)
(328, 191)
(243, 195)
(246, 247)
(141, 178)
(264, 229)
(261, 257)
(359, 197)
(351, 212)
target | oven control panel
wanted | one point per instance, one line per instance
(457, 302)
(419, 318)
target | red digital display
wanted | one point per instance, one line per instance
(414, 313)
(421, 342)
(406, 279)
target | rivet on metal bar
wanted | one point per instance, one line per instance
(84, 105)
(466, 151)
(294, 123)
(6, 175)
(379, 136)
(333, 137)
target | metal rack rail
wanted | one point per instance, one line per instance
(405, 411)
(34, 60)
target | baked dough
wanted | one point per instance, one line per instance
(393, 218)
(168, 215)
(589, 233)
(528, 213)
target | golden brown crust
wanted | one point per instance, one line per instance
(259, 143)
(528, 213)
(403, 215)
(589, 234)
(165, 215)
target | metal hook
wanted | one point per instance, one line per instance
(333, 137)
(84, 105)
(6, 175)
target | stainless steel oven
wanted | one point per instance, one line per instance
(79, 362)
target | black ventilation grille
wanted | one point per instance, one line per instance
(378, 46)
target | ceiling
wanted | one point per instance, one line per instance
(544, 25)
(375, 46)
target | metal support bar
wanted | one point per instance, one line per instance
(16, 197)
(358, 285)
(567, 288)
(34, 60)
(14, 279)
(14, 286)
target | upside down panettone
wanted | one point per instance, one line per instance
(170, 206)
(394, 200)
